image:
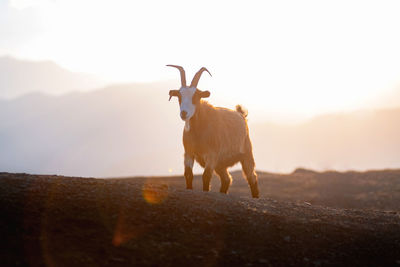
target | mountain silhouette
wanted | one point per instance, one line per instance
(132, 129)
(20, 77)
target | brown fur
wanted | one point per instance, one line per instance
(217, 139)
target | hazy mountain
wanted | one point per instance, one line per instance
(388, 99)
(133, 130)
(120, 130)
(19, 77)
(361, 140)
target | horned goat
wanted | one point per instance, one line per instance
(217, 138)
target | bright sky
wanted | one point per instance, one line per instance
(288, 59)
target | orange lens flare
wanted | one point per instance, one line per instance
(155, 194)
(125, 231)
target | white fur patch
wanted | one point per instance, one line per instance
(187, 101)
(187, 125)
(189, 162)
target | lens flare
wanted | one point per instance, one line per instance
(125, 231)
(155, 194)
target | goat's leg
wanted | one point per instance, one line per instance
(189, 160)
(225, 178)
(248, 166)
(207, 174)
(209, 161)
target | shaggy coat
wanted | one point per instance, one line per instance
(217, 139)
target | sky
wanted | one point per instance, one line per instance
(282, 59)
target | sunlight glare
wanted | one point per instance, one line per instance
(154, 194)
(285, 57)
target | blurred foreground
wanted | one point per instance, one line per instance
(299, 220)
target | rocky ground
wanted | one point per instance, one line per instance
(304, 218)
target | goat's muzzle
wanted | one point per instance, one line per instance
(183, 115)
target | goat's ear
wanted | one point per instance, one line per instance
(204, 94)
(173, 93)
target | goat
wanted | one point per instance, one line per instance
(216, 137)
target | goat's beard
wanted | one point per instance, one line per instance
(187, 125)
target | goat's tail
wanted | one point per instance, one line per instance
(242, 110)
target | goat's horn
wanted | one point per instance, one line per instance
(197, 76)
(183, 75)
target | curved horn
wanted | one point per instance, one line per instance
(197, 76)
(183, 75)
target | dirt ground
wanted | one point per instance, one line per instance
(302, 219)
